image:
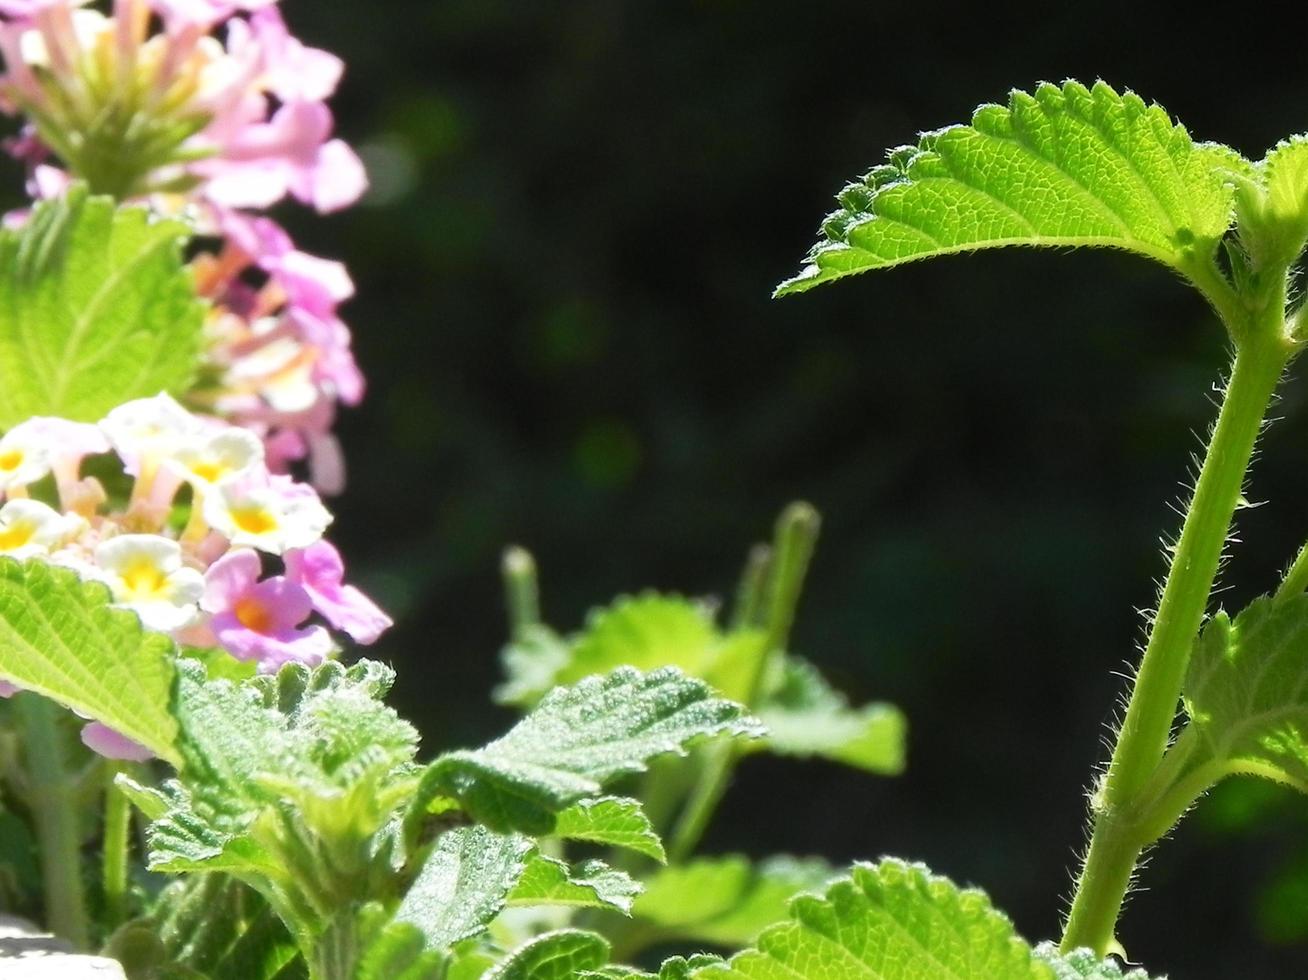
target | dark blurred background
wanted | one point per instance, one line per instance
(579, 211)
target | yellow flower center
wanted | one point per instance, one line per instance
(143, 580)
(11, 459)
(254, 520)
(210, 471)
(16, 535)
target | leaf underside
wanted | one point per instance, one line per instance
(1065, 166)
(1246, 692)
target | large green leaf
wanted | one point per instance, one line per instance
(1246, 693)
(805, 716)
(726, 901)
(889, 921)
(464, 883)
(1065, 166)
(59, 636)
(576, 740)
(96, 308)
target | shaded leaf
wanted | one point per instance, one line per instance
(464, 883)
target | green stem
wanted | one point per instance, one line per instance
(1296, 579)
(521, 591)
(117, 827)
(1117, 839)
(55, 817)
(792, 551)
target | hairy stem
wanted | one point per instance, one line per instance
(55, 816)
(1117, 837)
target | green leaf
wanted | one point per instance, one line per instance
(613, 821)
(464, 883)
(560, 955)
(889, 921)
(591, 884)
(207, 926)
(646, 632)
(1066, 166)
(1246, 692)
(805, 716)
(1083, 964)
(575, 741)
(726, 901)
(531, 662)
(96, 308)
(1273, 204)
(290, 782)
(59, 636)
(396, 950)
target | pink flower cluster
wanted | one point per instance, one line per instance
(214, 130)
(248, 571)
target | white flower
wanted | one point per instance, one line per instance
(227, 453)
(29, 528)
(24, 456)
(273, 516)
(146, 575)
(149, 429)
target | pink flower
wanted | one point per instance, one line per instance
(103, 740)
(291, 153)
(318, 569)
(204, 13)
(8, 690)
(260, 620)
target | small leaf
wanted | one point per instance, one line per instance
(613, 821)
(1066, 166)
(560, 955)
(1246, 692)
(464, 883)
(576, 740)
(889, 921)
(1276, 227)
(645, 632)
(96, 308)
(805, 716)
(591, 884)
(1083, 964)
(726, 901)
(531, 662)
(60, 637)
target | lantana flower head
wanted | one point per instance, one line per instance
(239, 124)
(247, 570)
